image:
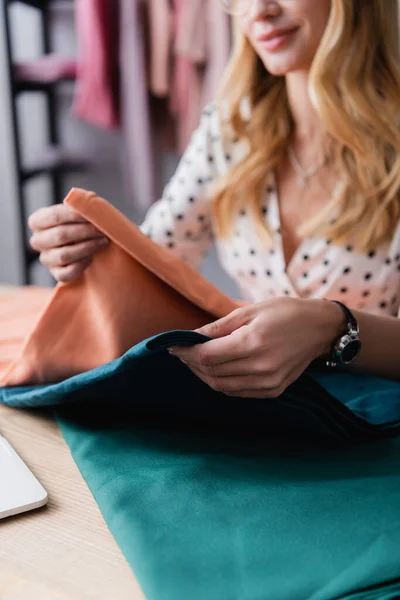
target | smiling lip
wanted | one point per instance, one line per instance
(276, 38)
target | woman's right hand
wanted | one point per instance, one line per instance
(65, 240)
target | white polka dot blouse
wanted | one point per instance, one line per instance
(182, 221)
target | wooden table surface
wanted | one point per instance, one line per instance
(63, 551)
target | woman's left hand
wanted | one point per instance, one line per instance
(260, 349)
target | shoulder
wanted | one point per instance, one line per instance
(223, 145)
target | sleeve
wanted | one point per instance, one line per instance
(182, 220)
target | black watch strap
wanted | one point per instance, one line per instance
(351, 320)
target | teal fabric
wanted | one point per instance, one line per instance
(211, 497)
(337, 405)
(237, 517)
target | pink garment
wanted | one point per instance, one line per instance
(191, 35)
(185, 102)
(160, 20)
(118, 69)
(202, 48)
(138, 148)
(46, 69)
(97, 93)
(219, 42)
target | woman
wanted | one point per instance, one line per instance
(296, 173)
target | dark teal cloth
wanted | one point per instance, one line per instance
(211, 497)
(337, 405)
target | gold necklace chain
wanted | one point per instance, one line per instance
(303, 174)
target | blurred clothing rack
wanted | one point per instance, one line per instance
(40, 76)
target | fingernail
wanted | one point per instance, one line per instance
(104, 241)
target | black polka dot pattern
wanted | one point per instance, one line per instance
(183, 222)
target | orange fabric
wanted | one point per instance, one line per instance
(134, 289)
(19, 309)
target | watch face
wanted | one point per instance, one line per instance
(350, 352)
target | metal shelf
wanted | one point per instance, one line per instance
(53, 159)
(31, 255)
(43, 74)
(41, 4)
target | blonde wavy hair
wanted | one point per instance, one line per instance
(354, 85)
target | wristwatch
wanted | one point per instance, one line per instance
(348, 346)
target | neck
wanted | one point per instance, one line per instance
(307, 125)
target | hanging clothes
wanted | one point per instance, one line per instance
(160, 23)
(202, 46)
(149, 66)
(97, 90)
(138, 151)
(219, 42)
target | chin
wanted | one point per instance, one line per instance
(279, 68)
(283, 63)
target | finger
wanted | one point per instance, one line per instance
(64, 235)
(70, 272)
(248, 386)
(229, 348)
(52, 216)
(264, 391)
(67, 255)
(227, 324)
(240, 367)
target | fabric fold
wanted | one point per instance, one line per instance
(134, 289)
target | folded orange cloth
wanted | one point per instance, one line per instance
(132, 290)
